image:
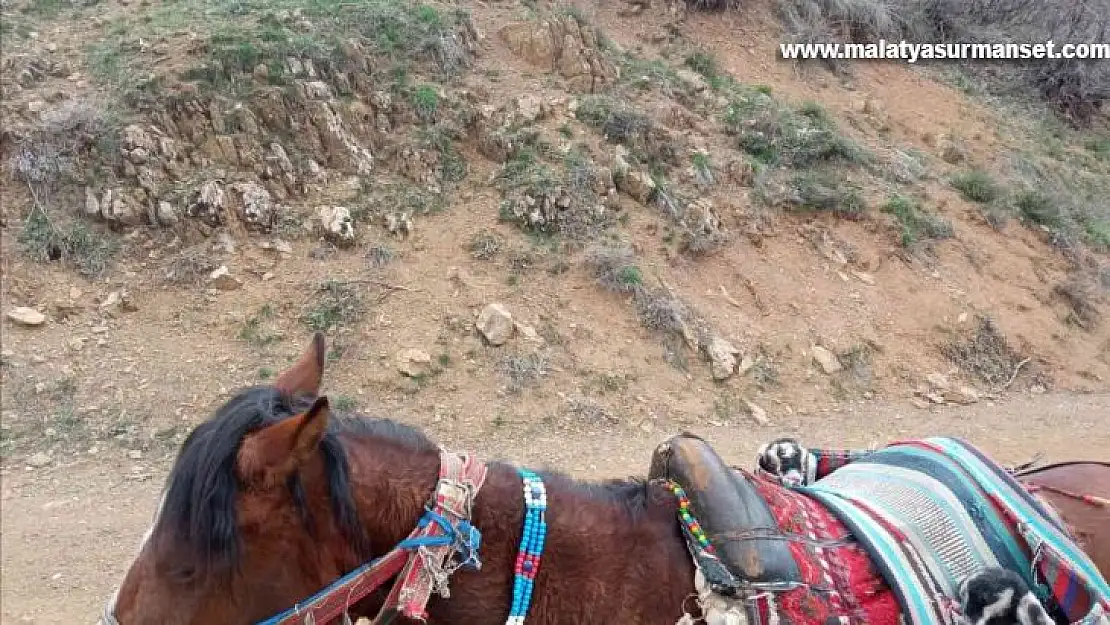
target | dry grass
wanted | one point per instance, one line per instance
(524, 369)
(190, 266)
(486, 244)
(1080, 295)
(336, 303)
(985, 354)
(614, 267)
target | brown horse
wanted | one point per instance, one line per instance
(275, 497)
(1060, 486)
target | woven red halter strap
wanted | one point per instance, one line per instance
(422, 559)
(1098, 502)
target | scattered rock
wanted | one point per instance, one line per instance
(864, 277)
(758, 414)
(222, 279)
(495, 323)
(746, 364)
(39, 460)
(336, 224)
(340, 145)
(165, 214)
(722, 358)
(320, 252)
(414, 362)
(121, 300)
(208, 204)
(935, 398)
(638, 185)
(827, 360)
(964, 395)
(938, 381)
(119, 207)
(26, 316)
(256, 207)
(695, 80)
(530, 108)
(315, 90)
(137, 144)
(92, 204)
(224, 243)
(399, 224)
(528, 332)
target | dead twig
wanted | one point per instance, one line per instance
(748, 284)
(385, 285)
(1013, 376)
(728, 298)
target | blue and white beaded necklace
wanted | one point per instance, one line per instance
(531, 546)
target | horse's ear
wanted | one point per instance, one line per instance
(306, 375)
(269, 456)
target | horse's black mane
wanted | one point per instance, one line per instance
(199, 506)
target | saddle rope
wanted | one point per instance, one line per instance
(1098, 502)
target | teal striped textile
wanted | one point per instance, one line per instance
(935, 510)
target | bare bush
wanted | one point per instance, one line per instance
(1080, 296)
(51, 157)
(662, 312)
(713, 5)
(615, 268)
(985, 354)
(191, 266)
(524, 370)
(49, 154)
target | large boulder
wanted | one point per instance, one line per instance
(495, 323)
(564, 46)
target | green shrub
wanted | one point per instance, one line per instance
(976, 186)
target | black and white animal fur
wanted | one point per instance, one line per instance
(995, 596)
(786, 459)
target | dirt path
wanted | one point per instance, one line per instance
(69, 531)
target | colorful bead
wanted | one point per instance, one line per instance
(689, 521)
(532, 539)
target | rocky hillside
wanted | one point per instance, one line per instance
(523, 215)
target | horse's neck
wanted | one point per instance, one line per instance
(391, 483)
(598, 547)
(605, 560)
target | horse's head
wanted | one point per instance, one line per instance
(256, 513)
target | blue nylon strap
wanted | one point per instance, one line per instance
(431, 516)
(461, 538)
(409, 544)
(307, 603)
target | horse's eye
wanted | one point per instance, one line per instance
(179, 572)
